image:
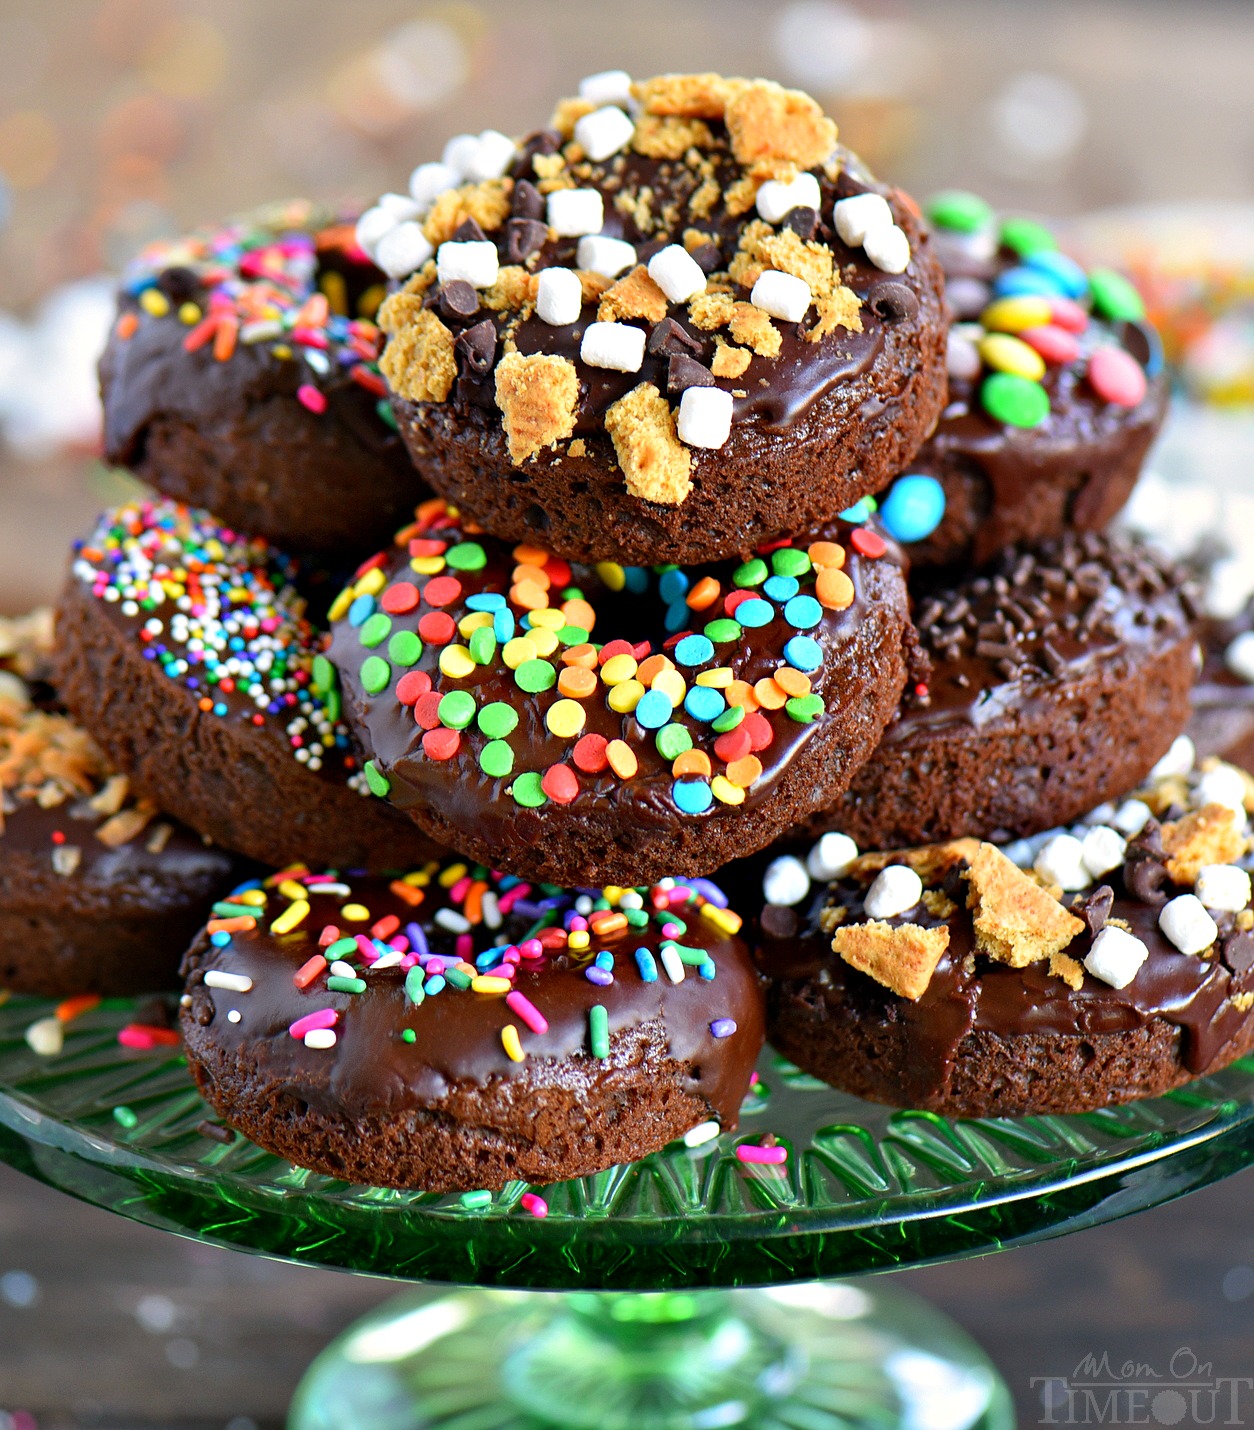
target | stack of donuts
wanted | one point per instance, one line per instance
(641, 590)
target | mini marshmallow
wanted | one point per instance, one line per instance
(1223, 785)
(574, 212)
(860, 215)
(459, 153)
(1102, 849)
(606, 256)
(888, 249)
(614, 345)
(400, 206)
(1132, 816)
(831, 857)
(493, 154)
(705, 417)
(1179, 760)
(1187, 924)
(785, 881)
(372, 226)
(403, 250)
(781, 295)
(1116, 956)
(962, 358)
(429, 181)
(559, 297)
(1061, 862)
(895, 890)
(606, 87)
(1223, 887)
(677, 273)
(776, 201)
(1239, 657)
(604, 132)
(476, 263)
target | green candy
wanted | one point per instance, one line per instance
(672, 741)
(1017, 401)
(788, 561)
(466, 556)
(527, 792)
(384, 408)
(457, 978)
(472, 1201)
(729, 719)
(337, 984)
(324, 676)
(959, 211)
(413, 985)
(404, 648)
(408, 1035)
(375, 673)
(1027, 237)
(333, 704)
(636, 918)
(496, 759)
(482, 645)
(341, 948)
(572, 635)
(752, 573)
(457, 709)
(379, 783)
(1114, 297)
(804, 709)
(598, 1031)
(533, 676)
(723, 630)
(376, 630)
(498, 720)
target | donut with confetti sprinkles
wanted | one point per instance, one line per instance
(679, 321)
(242, 376)
(1056, 390)
(184, 649)
(455, 1029)
(574, 723)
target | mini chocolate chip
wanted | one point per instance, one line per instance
(779, 921)
(215, 1131)
(707, 257)
(202, 1006)
(684, 372)
(180, 285)
(803, 221)
(669, 339)
(458, 299)
(468, 231)
(1144, 866)
(527, 200)
(1237, 951)
(540, 141)
(893, 302)
(1095, 910)
(523, 237)
(477, 346)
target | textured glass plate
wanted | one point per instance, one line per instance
(864, 1187)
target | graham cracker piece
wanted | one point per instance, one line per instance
(740, 197)
(1016, 921)
(694, 238)
(403, 306)
(729, 361)
(538, 396)
(486, 203)
(514, 290)
(753, 327)
(902, 957)
(634, 296)
(578, 448)
(841, 308)
(669, 136)
(711, 310)
(567, 115)
(593, 284)
(1063, 966)
(805, 259)
(686, 96)
(772, 128)
(126, 824)
(1207, 836)
(418, 361)
(656, 464)
(701, 204)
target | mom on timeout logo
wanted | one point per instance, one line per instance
(1188, 1392)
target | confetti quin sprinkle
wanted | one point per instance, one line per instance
(509, 679)
(219, 614)
(292, 280)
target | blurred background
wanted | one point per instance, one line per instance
(124, 120)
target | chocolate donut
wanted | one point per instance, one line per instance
(242, 376)
(1222, 723)
(662, 338)
(99, 893)
(455, 1029)
(1058, 678)
(577, 724)
(949, 978)
(183, 647)
(1056, 390)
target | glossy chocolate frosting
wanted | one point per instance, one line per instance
(1223, 702)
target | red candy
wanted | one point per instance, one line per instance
(412, 685)
(560, 784)
(758, 728)
(734, 744)
(613, 648)
(427, 709)
(426, 546)
(867, 543)
(1054, 344)
(734, 599)
(441, 590)
(1117, 377)
(558, 571)
(1068, 315)
(399, 599)
(589, 754)
(437, 628)
(441, 744)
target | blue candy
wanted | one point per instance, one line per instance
(654, 710)
(803, 653)
(673, 586)
(1021, 282)
(636, 579)
(780, 588)
(692, 796)
(503, 626)
(485, 601)
(678, 615)
(859, 512)
(220, 939)
(704, 703)
(1063, 270)
(694, 650)
(913, 508)
(755, 612)
(803, 612)
(361, 610)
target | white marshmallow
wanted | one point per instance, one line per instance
(1061, 862)
(1132, 816)
(46, 1036)
(606, 87)
(573, 212)
(705, 417)
(785, 881)
(372, 226)
(781, 295)
(403, 250)
(859, 215)
(604, 132)
(475, 262)
(1179, 760)
(895, 890)
(1116, 956)
(400, 206)
(429, 181)
(1239, 657)
(459, 153)
(1103, 814)
(677, 273)
(1102, 850)
(493, 154)
(559, 296)
(776, 201)
(831, 857)
(962, 358)
(614, 345)
(1223, 887)
(1223, 785)
(888, 249)
(1187, 924)
(606, 256)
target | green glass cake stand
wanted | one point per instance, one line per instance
(655, 1331)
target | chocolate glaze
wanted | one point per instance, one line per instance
(1223, 703)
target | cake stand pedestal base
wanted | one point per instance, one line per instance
(813, 1357)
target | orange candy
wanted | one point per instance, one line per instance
(577, 682)
(770, 696)
(692, 762)
(622, 759)
(826, 553)
(743, 772)
(792, 682)
(652, 667)
(704, 594)
(529, 595)
(579, 613)
(740, 692)
(531, 573)
(582, 655)
(530, 555)
(834, 589)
